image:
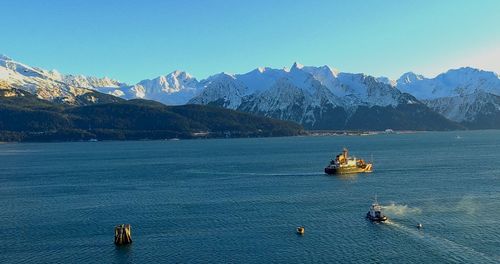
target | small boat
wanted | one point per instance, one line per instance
(375, 214)
(419, 226)
(301, 230)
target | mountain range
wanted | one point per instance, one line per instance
(316, 97)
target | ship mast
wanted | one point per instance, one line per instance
(345, 153)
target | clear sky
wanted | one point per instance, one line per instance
(135, 40)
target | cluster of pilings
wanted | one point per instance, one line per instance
(123, 235)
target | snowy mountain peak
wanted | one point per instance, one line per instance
(465, 70)
(334, 71)
(84, 81)
(458, 94)
(52, 85)
(15, 66)
(220, 76)
(55, 72)
(261, 69)
(170, 83)
(468, 73)
(410, 77)
(386, 80)
(296, 66)
(175, 88)
(4, 58)
(181, 75)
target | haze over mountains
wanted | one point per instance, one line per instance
(316, 97)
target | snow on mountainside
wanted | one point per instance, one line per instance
(89, 82)
(459, 94)
(304, 94)
(465, 108)
(366, 90)
(455, 82)
(50, 85)
(285, 100)
(357, 88)
(221, 89)
(175, 88)
(260, 79)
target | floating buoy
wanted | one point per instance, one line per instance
(301, 230)
(123, 234)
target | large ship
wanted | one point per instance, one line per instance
(343, 164)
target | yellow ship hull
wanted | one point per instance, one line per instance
(348, 169)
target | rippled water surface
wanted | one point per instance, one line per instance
(239, 200)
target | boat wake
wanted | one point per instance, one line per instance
(222, 173)
(400, 210)
(458, 251)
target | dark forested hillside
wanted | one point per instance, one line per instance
(23, 117)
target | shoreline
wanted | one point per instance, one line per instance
(308, 133)
(319, 133)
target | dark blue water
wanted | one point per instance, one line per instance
(239, 200)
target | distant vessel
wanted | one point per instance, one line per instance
(343, 164)
(375, 214)
(93, 140)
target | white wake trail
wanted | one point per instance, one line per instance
(442, 243)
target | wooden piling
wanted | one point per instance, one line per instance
(123, 234)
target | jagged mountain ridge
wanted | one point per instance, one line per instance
(306, 94)
(462, 95)
(53, 86)
(175, 88)
(316, 97)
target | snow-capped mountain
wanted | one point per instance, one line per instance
(461, 95)
(51, 85)
(455, 82)
(308, 95)
(351, 89)
(175, 88)
(89, 82)
(222, 89)
(285, 100)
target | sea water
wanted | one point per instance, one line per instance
(240, 200)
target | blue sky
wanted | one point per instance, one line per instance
(135, 40)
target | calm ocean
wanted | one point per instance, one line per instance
(240, 200)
